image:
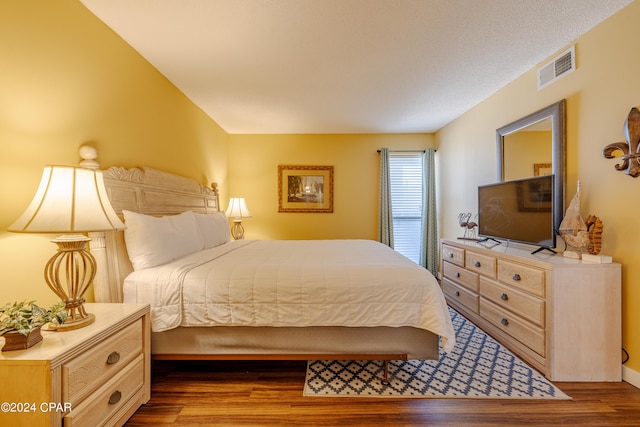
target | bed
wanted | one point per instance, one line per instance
(262, 300)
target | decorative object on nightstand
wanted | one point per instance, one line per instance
(20, 323)
(70, 200)
(630, 154)
(237, 209)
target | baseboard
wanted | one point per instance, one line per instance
(631, 376)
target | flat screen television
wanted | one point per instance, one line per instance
(519, 211)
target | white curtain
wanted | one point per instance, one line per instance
(385, 216)
(429, 251)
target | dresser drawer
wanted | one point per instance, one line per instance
(482, 264)
(461, 276)
(82, 375)
(525, 332)
(460, 295)
(527, 306)
(453, 255)
(109, 399)
(519, 276)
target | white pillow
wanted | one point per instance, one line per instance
(153, 241)
(214, 229)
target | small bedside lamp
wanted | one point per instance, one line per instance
(237, 209)
(70, 200)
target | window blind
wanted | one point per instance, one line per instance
(405, 169)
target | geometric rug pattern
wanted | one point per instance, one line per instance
(477, 367)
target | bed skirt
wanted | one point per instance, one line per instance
(240, 342)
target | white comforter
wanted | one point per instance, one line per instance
(357, 283)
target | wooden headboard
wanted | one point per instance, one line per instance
(148, 191)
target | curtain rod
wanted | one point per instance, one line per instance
(407, 151)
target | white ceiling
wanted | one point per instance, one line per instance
(346, 66)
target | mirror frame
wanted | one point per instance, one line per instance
(558, 150)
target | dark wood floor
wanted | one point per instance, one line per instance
(222, 393)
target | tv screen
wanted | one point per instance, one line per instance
(521, 211)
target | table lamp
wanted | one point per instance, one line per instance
(70, 200)
(237, 209)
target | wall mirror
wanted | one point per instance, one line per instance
(535, 145)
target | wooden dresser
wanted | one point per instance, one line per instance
(96, 375)
(561, 315)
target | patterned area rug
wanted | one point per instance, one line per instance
(477, 367)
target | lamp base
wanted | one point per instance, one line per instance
(237, 231)
(69, 273)
(73, 324)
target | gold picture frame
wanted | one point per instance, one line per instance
(540, 169)
(305, 189)
(534, 195)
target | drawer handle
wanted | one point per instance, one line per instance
(450, 254)
(457, 293)
(504, 297)
(504, 321)
(457, 274)
(113, 358)
(516, 277)
(115, 397)
(477, 264)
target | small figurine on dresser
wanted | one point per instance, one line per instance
(583, 238)
(470, 227)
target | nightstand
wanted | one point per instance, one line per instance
(96, 375)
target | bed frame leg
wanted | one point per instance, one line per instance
(385, 368)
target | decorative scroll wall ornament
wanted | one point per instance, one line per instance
(630, 149)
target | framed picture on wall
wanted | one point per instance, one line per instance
(540, 169)
(305, 189)
(534, 195)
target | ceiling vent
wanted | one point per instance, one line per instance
(560, 66)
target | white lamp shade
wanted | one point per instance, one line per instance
(237, 208)
(69, 200)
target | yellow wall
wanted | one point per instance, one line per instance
(65, 80)
(522, 150)
(599, 95)
(253, 174)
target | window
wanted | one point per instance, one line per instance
(405, 170)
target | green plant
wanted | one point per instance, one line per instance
(24, 316)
